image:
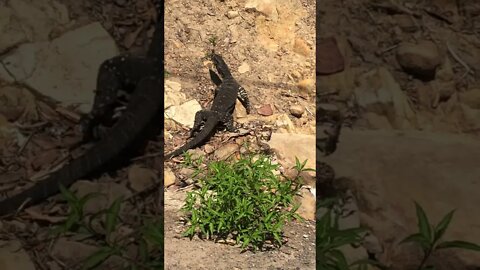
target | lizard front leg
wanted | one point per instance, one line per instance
(243, 97)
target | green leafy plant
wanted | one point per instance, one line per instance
(213, 40)
(244, 200)
(330, 238)
(428, 237)
(148, 237)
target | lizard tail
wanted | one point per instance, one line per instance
(156, 46)
(144, 105)
(199, 139)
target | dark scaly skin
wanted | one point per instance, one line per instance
(145, 104)
(226, 94)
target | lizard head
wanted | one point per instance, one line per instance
(220, 65)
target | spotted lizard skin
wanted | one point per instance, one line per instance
(226, 94)
(144, 75)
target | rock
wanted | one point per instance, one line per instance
(301, 47)
(18, 104)
(353, 254)
(266, 7)
(187, 172)
(308, 204)
(76, 252)
(329, 58)
(379, 93)
(173, 94)
(244, 68)
(14, 257)
(307, 86)
(185, 113)
(406, 23)
(352, 219)
(169, 177)
(40, 19)
(289, 146)
(420, 60)
(64, 69)
(209, 148)
(240, 111)
(471, 98)
(283, 121)
(297, 110)
(372, 244)
(45, 158)
(226, 151)
(265, 110)
(10, 30)
(232, 14)
(331, 108)
(400, 167)
(375, 121)
(112, 191)
(141, 178)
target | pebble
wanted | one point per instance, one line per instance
(420, 60)
(297, 110)
(265, 110)
(232, 14)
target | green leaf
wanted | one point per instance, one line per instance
(112, 216)
(423, 224)
(97, 258)
(443, 225)
(459, 244)
(417, 238)
(340, 259)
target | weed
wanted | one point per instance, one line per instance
(213, 40)
(244, 200)
(148, 236)
(330, 238)
(428, 237)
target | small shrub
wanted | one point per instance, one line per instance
(244, 200)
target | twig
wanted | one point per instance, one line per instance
(459, 60)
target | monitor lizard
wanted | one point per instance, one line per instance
(144, 76)
(225, 97)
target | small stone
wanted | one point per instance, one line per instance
(329, 58)
(420, 60)
(265, 110)
(209, 149)
(244, 68)
(168, 177)
(307, 85)
(232, 14)
(471, 98)
(226, 151)
(297, 110)
(187, 172)
(301, 47)
(141, 178)
(13, 256)
(296, 74)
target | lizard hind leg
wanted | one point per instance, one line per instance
(227, 120)
(200, 118)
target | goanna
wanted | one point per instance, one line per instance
(226, 94)
(143, 76)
